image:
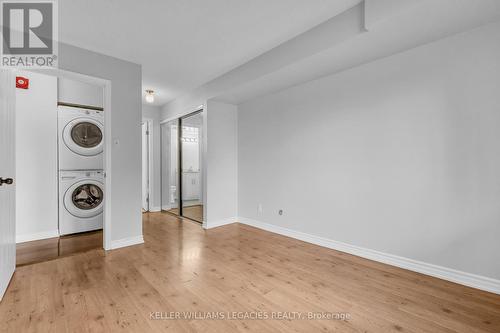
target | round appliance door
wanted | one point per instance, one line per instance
(84, 199)
(84, 136)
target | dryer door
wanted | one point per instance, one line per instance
(84, 199)
(84, 136)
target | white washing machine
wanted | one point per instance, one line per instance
(81, 201)
(81, 138)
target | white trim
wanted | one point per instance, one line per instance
(37, 236)
(151, 153)
(116, 244)
(149, 129)
(151, 196)
(155, 209)
(198, 108)
(6, 282)
(467, 279)
(106, 85)
(220, 223)
(168, 120)
(108, 144)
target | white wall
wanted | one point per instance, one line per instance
(191, 149)
(152, 114)
(192, 146)
(400, 155)
(36, 158)
(124, 167)
(221, 163)
(80, 93)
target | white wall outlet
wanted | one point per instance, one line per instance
(260, 208)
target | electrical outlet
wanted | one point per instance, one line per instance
(280, 212)
(260, 208)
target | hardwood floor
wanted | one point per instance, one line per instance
(235, 268)
(194, 212)
(52, 248)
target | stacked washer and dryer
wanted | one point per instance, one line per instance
(81, 177)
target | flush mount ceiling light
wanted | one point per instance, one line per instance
(150, 97)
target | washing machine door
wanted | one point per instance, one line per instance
(84, 199)
(84, 136)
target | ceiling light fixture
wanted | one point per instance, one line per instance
(150, 97)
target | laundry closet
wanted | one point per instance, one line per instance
(60, 156)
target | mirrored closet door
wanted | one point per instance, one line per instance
(182, 166)
(170, 167)
(191, 162)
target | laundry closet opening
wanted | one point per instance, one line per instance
(60, 164)
(182, 166)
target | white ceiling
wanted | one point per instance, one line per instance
(182, 44)
(400, 31)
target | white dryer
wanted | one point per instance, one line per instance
(81, 138)
(81, 201)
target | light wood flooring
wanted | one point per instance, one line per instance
(234, 268)
(194, 212)
(52, 248)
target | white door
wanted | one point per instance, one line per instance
(145, 166)
(7, 186)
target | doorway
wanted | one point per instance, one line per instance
(15, 177)
(69, 115)
(182, 166)
(145, 167)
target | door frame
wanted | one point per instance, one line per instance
(200, 109)
(108, 142)
(149, 130)
(179, 137)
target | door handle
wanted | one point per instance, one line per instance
(7, 181)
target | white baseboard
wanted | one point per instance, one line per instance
(4, 284)
(116, 244)
(155, 209)
(219, 223)
(467, 279)
(37, 236)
